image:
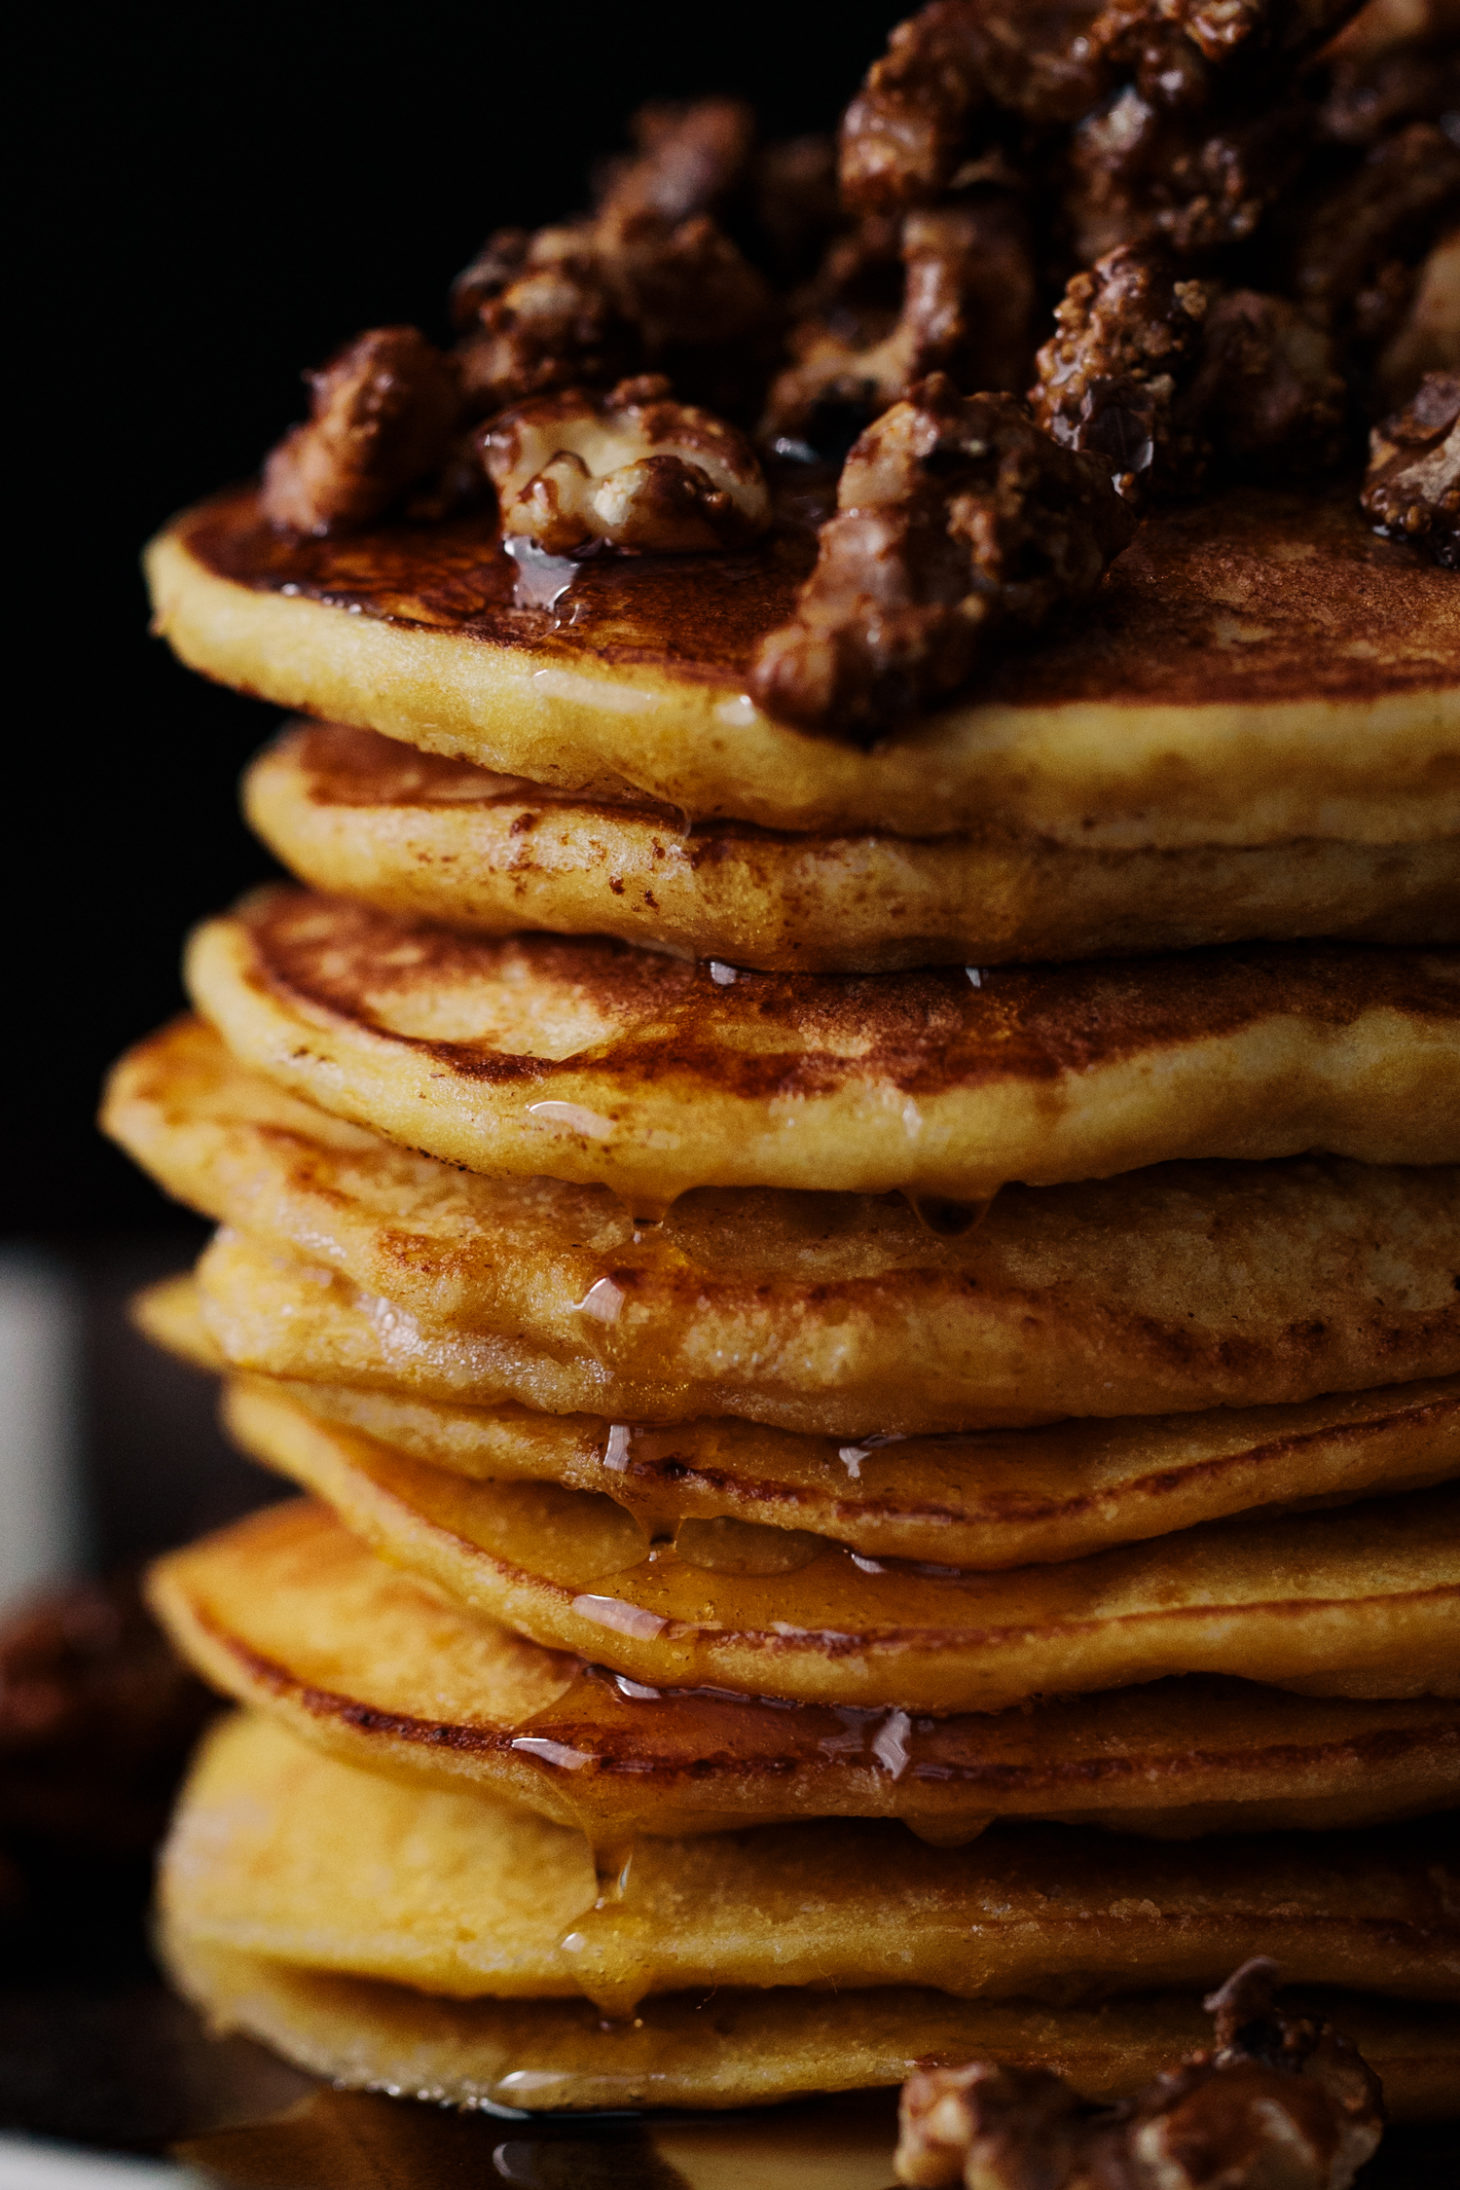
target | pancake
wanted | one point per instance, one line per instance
(1364, 1601)
(281, 1852)
(1181, 1287)
(742, 2049)
(289, 1613)
(422, 837)
(597, 1063)
(991, 1498)
(1255, 668)
(279, 1316)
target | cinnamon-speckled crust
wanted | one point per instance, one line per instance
(659, 1076)
(1255, 668)
(288, 1613)
(357, 815)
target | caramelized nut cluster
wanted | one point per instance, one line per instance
(1280, 2098)
(1412, 487)
(1242, 230)
(957, 521)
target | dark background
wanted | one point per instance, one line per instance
(211, 199)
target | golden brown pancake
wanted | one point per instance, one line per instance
(1180, 1287)
(279, 1316)
(1361, 1601)
(1256, 668)
(289, 1613)
(990, 1498)
(741, 2049)
(281, 1852)
(589, 1061)
(426, 838)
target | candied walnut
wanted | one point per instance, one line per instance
(687, 159)
(958, 523)
(968, 303)
(1281, 2098)
(1361, 245)
(1427, 339)
(1412, 486)
(382, 414)
(1398, 61)
(1140, 173)
(997, 2128)
(1110, 375)
(797, 209)
(631, 469)
(1266, 390)
(948, 69)
(550, 321)
(96, 1718)
(649, 280)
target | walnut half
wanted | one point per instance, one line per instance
(1280, 2098)
(1412, 487)
(631, 469)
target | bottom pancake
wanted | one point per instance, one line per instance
(743, 2048)
(289, 1612)
(280, 1851)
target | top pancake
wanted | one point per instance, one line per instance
(1255, 668)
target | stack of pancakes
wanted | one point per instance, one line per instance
(873, 1338)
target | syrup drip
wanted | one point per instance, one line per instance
(948, 1219)
(852, 1456)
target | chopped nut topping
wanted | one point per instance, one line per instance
(96, 1719)
(1157, 158)
(382, 414)
(1126, 334)
(957, 519)
(1397, 61)
(687, 159)
(1427, 339)
(1412, 486)
(545, 318)
(1157, 374)
(1266, 390)
(630, 469)
(1280, 2098)
(949, 68)
(648, 280)
(968, 307)
(1143, 173)
(1363, 241)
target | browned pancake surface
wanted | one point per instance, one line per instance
(770, 1034)
(1253, 596)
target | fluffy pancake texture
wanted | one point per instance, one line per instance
(279, 1851)
(742, 2049)
(272, 1313)
(1362, 1601)
(991, 1498)
(424, 837)
(1184, 1286)
(290, 1613)
(1256, 668)
(592, 1062)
